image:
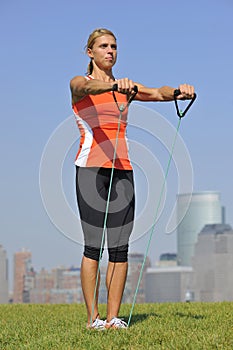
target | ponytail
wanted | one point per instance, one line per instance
(90, 68)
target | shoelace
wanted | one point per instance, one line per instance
(98, 322)
(118, 322)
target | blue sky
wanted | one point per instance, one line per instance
(159, 43)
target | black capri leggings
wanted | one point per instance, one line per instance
(92, 186)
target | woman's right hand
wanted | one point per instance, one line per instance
(125, 86)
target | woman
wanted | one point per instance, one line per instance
(103, 165)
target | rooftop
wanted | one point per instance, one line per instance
(216, 229)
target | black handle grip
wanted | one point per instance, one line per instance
(115, 88)
(177, 93)
(180, 113)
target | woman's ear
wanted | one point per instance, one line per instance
(89, 53)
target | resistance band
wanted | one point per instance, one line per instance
(180, 115)
(121, 109)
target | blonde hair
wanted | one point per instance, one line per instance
(91, 40)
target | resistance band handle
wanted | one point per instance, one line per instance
(132, 96)
(177, 92)
(115, 88)
(180, 113)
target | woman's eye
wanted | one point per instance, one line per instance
(104, 46)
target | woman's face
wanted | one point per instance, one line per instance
(104, 52)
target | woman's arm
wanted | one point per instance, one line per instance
(164, 93)
(80, 87)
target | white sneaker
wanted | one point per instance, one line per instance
(98, 324)
(116, 323)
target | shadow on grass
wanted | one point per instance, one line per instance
(138, 318)
(189, 315)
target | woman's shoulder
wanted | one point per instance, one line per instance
(78, 79)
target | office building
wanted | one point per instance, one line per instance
(3, 276)
(213, 264)
(59, 286)
(203, 208)
(67, 286)
(22, 264)
(29, 281)
(44, 282)
(168, 284)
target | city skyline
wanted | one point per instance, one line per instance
(210, 199)
(208, 277)
(61, 284)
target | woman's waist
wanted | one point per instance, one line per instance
(110, 131)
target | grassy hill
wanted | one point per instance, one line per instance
(153, 326)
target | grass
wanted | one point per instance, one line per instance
(153, 326)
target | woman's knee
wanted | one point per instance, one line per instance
(118, 254)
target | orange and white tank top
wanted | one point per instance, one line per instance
(97, 117)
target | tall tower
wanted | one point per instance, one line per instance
(21, 260)
(212, 264)
(3, 276)
(204, 208)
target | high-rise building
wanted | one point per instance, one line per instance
(3, 276)
(61, 285)
(68, 286)
(29, 281)
(21, 264)
(213, 264)
(203, 208)
(44, 282)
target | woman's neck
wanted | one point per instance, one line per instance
(102, 75)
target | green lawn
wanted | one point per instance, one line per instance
(153, 326)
